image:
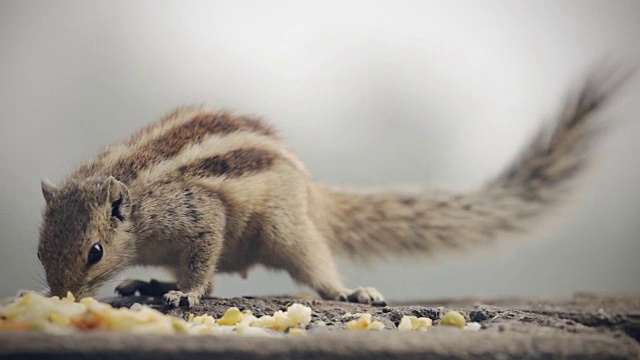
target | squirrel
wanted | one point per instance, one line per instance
(202, 191)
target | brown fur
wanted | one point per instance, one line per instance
(201, 192)
(235, 163)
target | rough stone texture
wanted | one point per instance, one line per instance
(599, 311)
(588, 326)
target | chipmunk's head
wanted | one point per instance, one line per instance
(84, 237)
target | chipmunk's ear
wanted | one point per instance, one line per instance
(48, 190)
(116, 194)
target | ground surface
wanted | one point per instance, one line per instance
(587, 326)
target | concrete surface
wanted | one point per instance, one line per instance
(587, 326)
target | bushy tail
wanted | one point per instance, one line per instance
(391, 223)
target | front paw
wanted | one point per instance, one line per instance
(364, 295)
(176, 298)
(151, 288)
(129, 287)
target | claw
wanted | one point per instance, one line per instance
(176, 298)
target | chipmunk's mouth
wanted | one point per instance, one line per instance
(62, 291)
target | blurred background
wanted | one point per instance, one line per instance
(363, 91)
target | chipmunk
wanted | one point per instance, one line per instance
(201, 192)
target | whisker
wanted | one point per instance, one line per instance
(44, 286)
(110, 282)
(99, 280)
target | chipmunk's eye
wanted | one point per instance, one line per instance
(95, 254)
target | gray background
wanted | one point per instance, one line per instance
(368, 94)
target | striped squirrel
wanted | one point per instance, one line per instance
(201, 192)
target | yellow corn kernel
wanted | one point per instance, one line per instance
(59, 319)
(453, 318)
(231, 317)
(364, 323)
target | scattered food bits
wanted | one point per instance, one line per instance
(299, 314)
(69, 298)
(203, 320)
(15, 326)
(408, 323)
(296, 316)
(244, 328)
(453, 318)
(34, 312)
(59, 319)
(231, 317)
(472, 326)
(364, 323)
(405, 324)
(297, 331)
(54, 315)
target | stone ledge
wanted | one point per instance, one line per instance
(588, 326)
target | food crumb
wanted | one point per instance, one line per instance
(231, 317)
(453, 318)
(472, 326)
(408, 323)
(364, 323)
(54, 315)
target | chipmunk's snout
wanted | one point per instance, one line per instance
(78, 292)
(61, 292)
(59, 283)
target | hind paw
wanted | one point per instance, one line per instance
(363, 295)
